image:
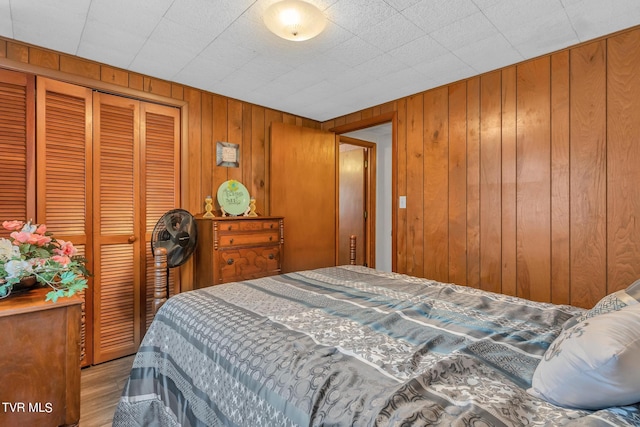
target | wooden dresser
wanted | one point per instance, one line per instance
(39, 360)
(238, 248)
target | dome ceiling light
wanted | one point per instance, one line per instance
(294, 20)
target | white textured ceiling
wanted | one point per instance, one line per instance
(372, 51)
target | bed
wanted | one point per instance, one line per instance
(351, 345)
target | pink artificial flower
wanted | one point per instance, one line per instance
(66, 248)
(13, 225)
(21, 236)
(41, 229)
(39, 239)
(30, 238)
(61, 259)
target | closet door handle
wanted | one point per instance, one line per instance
(132, 239)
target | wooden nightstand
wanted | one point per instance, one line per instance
(238, 248)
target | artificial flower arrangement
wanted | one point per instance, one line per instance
(32, 252)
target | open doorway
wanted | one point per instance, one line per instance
(379, 194)
(356, 200)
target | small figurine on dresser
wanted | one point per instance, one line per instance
(208, 207)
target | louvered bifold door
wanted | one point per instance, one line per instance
(17, 145)
(160, 135)
(64, 140)
(117, 233)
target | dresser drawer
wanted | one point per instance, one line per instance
(243, 239)
(247, 263)
(248, 225)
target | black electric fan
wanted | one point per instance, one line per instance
(175, 231)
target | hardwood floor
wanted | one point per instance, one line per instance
(100, 389)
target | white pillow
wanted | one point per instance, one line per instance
(593, 365)
(612, 302)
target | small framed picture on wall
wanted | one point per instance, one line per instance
(227, 154)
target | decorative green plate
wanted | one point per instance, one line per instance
(233, 197)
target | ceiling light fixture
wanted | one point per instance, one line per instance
(294, 20)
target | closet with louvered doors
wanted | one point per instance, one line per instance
(135, 176)
(131, 150)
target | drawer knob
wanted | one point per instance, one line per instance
(231, 241)
(270, 238)
(271, 256)
(271, 225)
(230, 261)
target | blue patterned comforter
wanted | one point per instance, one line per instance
(347, 346)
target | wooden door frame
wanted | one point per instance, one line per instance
(370, 198)
(391, 117)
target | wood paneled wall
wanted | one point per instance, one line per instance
(521, 181)
(209, 118)
(524, 180)
(215, 118)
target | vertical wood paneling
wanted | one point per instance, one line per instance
(588, 174)
(436, 184)
(270, 116)
(234, 135)
(195, 198)
(457, 220)
(490, 182)
(533, 180)
(473, 182)
(219, 119)
(509, 211)
(247, 150)
(623, 157)
(401, 182)
(415, 186)
(568, 182)
(208, 149)
(560, 226)
(259, 158)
